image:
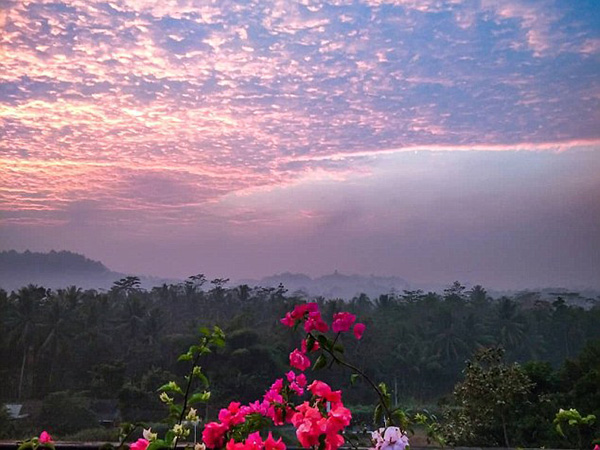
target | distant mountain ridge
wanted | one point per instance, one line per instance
(58, 270)
(335, 285)
(53, 261)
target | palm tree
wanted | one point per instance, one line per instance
(23, 323)
(509, 324)
(57, 325)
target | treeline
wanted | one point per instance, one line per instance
(122, 344)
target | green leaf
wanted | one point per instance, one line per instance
(338, 348)
(185, 357)
(169, 436)
(353, 378)
(324, 341)
(218, 341)
(204, 330)
(377, 414)
(199, 397)
(194, 349)
(175, 409)
(157, 445)
(320, 362)
(310, 343)
(171, 386)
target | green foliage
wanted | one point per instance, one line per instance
(485, 406)
(416, 343)
(571, 418)
(66, 412)
(6, 427)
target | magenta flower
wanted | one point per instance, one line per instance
(359, 329)
(342, 321)
(45, 438)
(299, 361)
(140, 444)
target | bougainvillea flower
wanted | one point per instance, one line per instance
(301, 380)
(390, 438)
(338, 418)
(232, 445)
(299, 361)
(140, 444)
(45, 438)
(214, 434)
(342, 322)
(359, 329)
(272, 444)
(321, 389)
(315, 322)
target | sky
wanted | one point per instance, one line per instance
(432, 140)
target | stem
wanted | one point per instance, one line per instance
(128, 435)
(352, 367)
(332, 345)
(506, 442)
(187, 393)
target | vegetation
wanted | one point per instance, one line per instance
(122, 344)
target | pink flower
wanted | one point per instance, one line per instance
(214, 434)
(272, 444)
(314, 322)
(254, 442)
(45, 438)
(288, 321)
(333, 441)
(597, 447)
(342, 321)
(301, 380)
(232, 445)
(296, 388)
(140, 444)
(233, 415)
(359, 329)
(310, 424)
(338, 418)
(321, 389)
(299, 361)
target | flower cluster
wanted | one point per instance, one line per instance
(321, 419)
(311, 423)
(390, 438)
(255, 442)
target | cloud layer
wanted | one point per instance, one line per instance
(146, 115)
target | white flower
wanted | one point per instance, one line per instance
(180, 431)
(192, 415)
(390, 438)
(149, 435)
(164, 397)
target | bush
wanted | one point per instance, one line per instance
(66, 413)
(6, 428)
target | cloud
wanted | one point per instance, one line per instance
(167, 109)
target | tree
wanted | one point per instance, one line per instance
(486, 404)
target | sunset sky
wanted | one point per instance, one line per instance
(426, 139)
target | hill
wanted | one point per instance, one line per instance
(335, 285)
(58, 270)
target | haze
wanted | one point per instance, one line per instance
(429, 140)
